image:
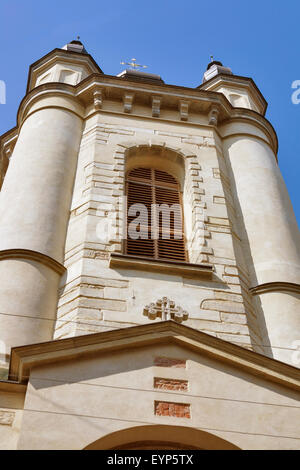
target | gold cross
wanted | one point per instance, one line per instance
(134, 65)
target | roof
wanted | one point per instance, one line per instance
(24, 358)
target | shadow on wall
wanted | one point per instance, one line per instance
(244, 252)
(86, 370)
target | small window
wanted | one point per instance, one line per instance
(157, 230)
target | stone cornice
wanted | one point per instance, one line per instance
(50, 90)
(201, 100)
(20, 253)
(120, 261)
(275, 287)
(242, 82)
(111, 87)
(69, 56)
(26, 357)
(9, 386)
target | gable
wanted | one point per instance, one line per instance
(80, 400)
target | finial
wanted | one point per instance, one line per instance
(211, 58)
(134, 65)
(78, 38)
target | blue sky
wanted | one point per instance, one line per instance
(259, 39)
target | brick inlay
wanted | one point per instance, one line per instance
(178, 410)
(170, 384)
(170, 362)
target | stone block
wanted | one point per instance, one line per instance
(223, 306)
(234, 318)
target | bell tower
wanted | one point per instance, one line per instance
(86, 147)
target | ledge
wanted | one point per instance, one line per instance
(12, 387)
(20, 253)
(25, 358)
(275, 287)
(170, 267)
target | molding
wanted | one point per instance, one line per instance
(12, 387)
(24, 358)
(187, 437)
(49, 90)
(154, 141)
(69, 56)
(20, 253)
(234, 81)
(275, 287)
(120, 261)
(200, 101)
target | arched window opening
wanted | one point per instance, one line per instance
(154, 215)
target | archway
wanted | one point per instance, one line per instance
(161, 437)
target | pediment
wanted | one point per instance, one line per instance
(24, 358)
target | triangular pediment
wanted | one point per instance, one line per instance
(24, 358)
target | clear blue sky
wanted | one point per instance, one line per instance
(259, 39)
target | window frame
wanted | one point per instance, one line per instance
(153, 183)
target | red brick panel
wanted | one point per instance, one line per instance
(169, 362)
(178, 410)
(171, 384)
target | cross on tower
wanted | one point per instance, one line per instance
(134, 65)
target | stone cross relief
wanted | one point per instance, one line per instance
(166, 310)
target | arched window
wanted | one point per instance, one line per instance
(154, 215)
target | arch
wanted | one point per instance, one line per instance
(181, 163)
(155, 156)
(184, 151)
(161, 437)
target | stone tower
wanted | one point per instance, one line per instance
(65, 266)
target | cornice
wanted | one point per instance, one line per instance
(21, 253)
(121, 261)
(201, 101)
(233, 80)
(275, 287)
(207, 98)
(165, 332)
(47, 90)
(78, 56)
(9, 386)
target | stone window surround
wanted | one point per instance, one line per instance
(191, 270)
(190, 161)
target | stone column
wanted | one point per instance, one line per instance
(270, 238)
(34, 211)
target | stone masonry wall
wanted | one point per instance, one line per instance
(94, 297)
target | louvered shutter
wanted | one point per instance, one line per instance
(149, 186)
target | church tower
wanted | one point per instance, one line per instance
(129, 205)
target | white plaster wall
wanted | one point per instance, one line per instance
(116, 392)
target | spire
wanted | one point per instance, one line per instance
(215, 68)
(75, 46)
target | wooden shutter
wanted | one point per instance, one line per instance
(149, 186)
